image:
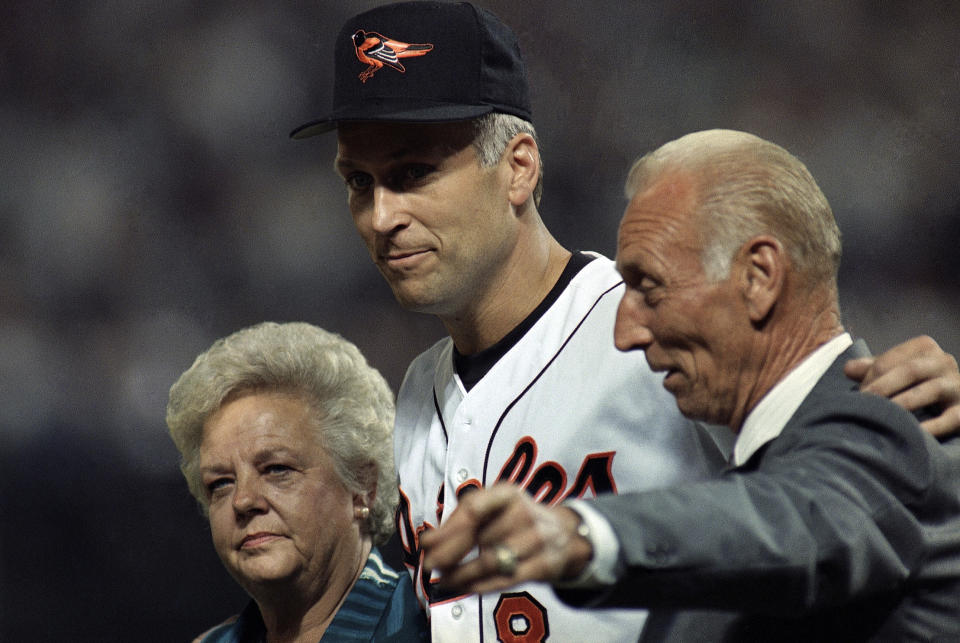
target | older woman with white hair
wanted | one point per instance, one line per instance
(285, 435)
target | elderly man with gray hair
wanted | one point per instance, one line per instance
(838, 518)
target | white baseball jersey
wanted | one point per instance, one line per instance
(562, 413)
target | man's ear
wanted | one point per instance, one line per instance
(763, 264)
(523, 157)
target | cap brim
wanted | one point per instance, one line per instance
(433, 114)
(313, 128)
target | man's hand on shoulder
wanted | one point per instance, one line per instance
(916, 374)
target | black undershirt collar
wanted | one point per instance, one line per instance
(472, 368)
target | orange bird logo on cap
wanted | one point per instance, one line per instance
(376, 50)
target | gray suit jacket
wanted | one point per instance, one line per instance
(846, 527)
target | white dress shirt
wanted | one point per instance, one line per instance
(770, 415)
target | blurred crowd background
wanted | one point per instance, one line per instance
(151, 201)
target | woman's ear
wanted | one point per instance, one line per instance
(363, 502)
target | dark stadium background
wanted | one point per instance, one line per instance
(150, 202)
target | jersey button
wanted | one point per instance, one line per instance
(462, 475)
(457, 611)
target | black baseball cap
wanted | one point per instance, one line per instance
(423, 62)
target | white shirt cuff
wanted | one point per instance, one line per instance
(605, 567)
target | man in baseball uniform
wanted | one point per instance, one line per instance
(443, 176)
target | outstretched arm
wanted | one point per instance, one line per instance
(917, 375)
(828, 516)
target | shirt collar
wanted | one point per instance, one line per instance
(768, 418)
